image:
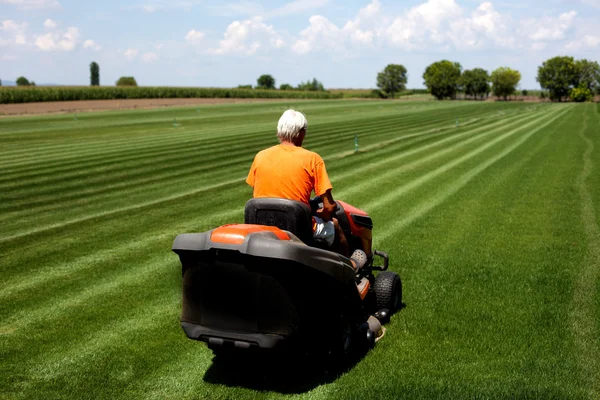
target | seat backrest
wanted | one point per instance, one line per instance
(289, 215)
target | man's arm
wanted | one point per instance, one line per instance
(329, 206)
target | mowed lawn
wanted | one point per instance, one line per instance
(490, 213)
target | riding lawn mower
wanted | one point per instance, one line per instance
(265, 285)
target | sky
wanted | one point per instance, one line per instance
(343, 44)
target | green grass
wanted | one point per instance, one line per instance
(493, 225)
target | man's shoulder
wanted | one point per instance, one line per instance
(310, 154)
(267, 150)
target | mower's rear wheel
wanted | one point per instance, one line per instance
(388, 291)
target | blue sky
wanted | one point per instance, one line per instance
(342, 43)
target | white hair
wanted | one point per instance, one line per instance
(290, 125)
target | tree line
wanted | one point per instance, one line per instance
(564, 78)
(268, 82)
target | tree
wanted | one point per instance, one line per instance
(94, 74)
(286, 86)
(505, 82)
(126, 81)
(588, 75)
(392, 79)
(581, 94)
(558, 76)
(442, 79)
(265, 82)
(0, 82)
(475, 82)
(312, 86)
(22, 81)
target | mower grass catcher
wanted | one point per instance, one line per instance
(264, 285)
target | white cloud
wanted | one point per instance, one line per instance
(90, 44)
(321, 34)
(149, 57)
(249, 36)
(49, 24)
(130, 54)
(587, 42)
(194, 36)
(58, 41)
(32, 4)
(549, 28)
(12, 33)
(433, 25)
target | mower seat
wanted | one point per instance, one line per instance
(288, 215)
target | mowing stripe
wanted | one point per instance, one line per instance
(51, 193)
(583, 317)
(20, 282)
(347, 192)
(123, 209)
(212, 135)
(431, 203)
(150, 203)
(73, 356)
(394, 195)
(130, 279)
(179, 144)
(498, 125)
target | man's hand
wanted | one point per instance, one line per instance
(327, 212)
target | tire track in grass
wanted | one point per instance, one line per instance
(455, 186)
(144, 204)
(583, 317)
(420, 181)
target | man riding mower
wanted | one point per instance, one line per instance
(274, 281)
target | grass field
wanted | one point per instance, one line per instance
(493, 225)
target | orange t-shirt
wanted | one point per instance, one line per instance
(288, 172)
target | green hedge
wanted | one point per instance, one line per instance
(40, 94)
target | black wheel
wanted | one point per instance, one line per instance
(388, 291)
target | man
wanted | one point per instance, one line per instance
(291, 172)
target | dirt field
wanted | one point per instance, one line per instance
(99, 105)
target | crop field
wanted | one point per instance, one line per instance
(490, 213)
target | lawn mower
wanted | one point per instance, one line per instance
(266, 285)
